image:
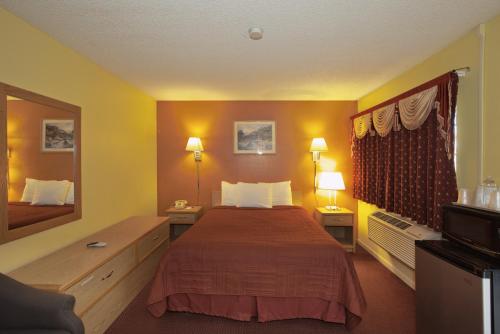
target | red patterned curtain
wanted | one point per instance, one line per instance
(411, 172)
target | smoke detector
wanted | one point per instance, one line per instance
(255, 33)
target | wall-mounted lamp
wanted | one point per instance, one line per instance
(331, 181)
(194, 145)
(318, 145)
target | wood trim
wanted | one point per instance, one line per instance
(7, 235)
(3, 165)
(401, 96)
(41, 99)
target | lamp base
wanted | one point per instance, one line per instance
(332, 207)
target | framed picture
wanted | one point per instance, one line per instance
(58, 135)
(255, 137)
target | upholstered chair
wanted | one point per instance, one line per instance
(26, 310)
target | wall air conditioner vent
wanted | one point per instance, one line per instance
(397, 222)
(397, 235)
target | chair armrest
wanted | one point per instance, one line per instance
(24, 307)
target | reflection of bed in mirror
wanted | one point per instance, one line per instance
(41, 200)
(22, 214)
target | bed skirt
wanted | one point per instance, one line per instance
(244, 308)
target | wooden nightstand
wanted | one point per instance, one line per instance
(182, 219)
(340, 224)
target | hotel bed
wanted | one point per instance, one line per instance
(271, 264)
(23, 214)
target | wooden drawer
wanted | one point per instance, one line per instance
(152, 240)
(182, 218)
(98, 318)
(93, 286)
(340, 220)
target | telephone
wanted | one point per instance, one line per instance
(180, 204)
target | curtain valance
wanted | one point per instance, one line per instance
(410, 110)
(384, 119)
(414, 109)
(362, 125)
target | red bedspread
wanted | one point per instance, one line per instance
(280, 252)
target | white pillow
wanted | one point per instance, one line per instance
(29, 189)
(70, 198)
(254, 195)
(229, 194)
(50, 192)
(282, 193)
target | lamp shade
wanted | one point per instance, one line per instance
(331, 181)
(318, 145)
(194, 144)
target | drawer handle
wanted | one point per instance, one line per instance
(156, 238)
(86, 280)
(108, 275)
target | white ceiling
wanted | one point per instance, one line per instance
(200, 50)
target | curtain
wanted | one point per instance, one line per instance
(410, 170)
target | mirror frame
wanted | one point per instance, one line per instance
(7, 235)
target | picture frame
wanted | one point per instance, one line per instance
(254, 137)
(58, 135)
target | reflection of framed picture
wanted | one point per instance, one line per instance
(255, 137)
(58, 135)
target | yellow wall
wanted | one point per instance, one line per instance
(492, 100)
(463, 52)
(118, 134)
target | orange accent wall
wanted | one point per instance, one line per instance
(297, 123)
(24, 138)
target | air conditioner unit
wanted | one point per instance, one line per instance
(397, 235)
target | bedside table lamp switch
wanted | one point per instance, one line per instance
(331, 181)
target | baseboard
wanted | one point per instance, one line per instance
(410, 281)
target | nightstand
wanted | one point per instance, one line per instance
(340, 224)
(181, 220)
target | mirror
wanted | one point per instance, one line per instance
(41, 168)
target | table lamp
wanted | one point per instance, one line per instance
(194, 145)
(331, 181)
